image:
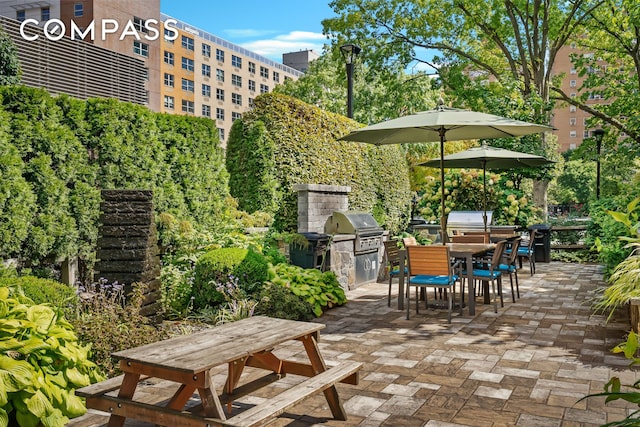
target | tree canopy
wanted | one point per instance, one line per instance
(9, 64)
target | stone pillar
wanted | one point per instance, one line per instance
(316, 202)
(128, 244)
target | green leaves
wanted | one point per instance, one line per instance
(41, 363)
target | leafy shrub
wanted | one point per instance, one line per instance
(41, 364)
(42, 291)
(238, 305)
(321, 290)
(112, 323)
(217, 265)
(279, 301)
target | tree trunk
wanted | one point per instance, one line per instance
(540, 197)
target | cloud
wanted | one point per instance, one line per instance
(283, 43)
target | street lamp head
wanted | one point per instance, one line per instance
(598, 134)
(349, 52)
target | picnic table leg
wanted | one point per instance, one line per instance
(127, 389)
(233, 377)
(310, 343)
(181, 397)
(210, 402)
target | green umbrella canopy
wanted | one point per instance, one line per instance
(443, 124)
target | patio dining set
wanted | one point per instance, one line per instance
(477, 259)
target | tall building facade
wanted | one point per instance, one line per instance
(207, 76)
(101, 14)
(570, 122)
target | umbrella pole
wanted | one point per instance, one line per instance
(484, 193)
(443, 219)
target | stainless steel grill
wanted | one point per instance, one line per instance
(461, 221)
(362, 224)
(367, 243)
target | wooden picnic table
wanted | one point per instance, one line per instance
(187, 360)
(463, 251)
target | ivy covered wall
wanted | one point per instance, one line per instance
(56, 153)
(283, 141)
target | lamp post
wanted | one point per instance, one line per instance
(598, 134)
(349, 52)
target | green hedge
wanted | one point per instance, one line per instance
(42, 291)
(283, 141)
(56, 153)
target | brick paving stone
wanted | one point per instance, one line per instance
(526, 366)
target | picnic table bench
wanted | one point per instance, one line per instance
(189, 359)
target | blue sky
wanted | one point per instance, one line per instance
(269, 28)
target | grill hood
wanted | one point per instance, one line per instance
(352, 222)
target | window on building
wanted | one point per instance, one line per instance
(252, 85)
(187, 85)
(220, 55)
(264, 72)
(168, 36)
(221, 134)
(235, 116)
(586, 134)
(206, 70)
(169, 80)
(573, 83)
(78, 10)
(206, 110)
(139, 25)
(572, 121)
(220, 113)
(276, 77)
(188, 106)
(264, 88)
(219, 75)
(584, 121)
(572, 134)
(168, 57)
(206, 50)
(252, 67)
(45, 14)
(206, 90)
(572, 94)
(572, 70)
(573, 45)
(236, 99)
(236, 80)
(187, 64)
(236, 61)
(220, 94)
(169, 102)
(572, 108)
(140, 48)
(187, 43)
(250, 102)
(21, 15)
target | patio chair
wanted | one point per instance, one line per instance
(509, 266)
(527, 250)
(470, 238)
(491, 273)
(430, 267)
(485, 234)
(409, 241)
(393, 261)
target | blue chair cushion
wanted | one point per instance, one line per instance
(484, 274)
(507, 268)
(524, 251)
(396, 271)
(424, 279)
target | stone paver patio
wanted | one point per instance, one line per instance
(526, 366)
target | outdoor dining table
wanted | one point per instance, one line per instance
(188, 360)
(462, 251)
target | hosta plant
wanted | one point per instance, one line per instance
(41, 364)
(321, 290)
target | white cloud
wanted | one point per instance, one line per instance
(291, 42)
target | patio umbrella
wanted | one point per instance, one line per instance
(443, 124)
(486, 157)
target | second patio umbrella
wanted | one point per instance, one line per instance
(486, 157)
(442, 124)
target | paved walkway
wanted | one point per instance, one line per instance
(526, 366)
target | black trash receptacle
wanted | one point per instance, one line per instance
(542, 242)
(313, 255)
